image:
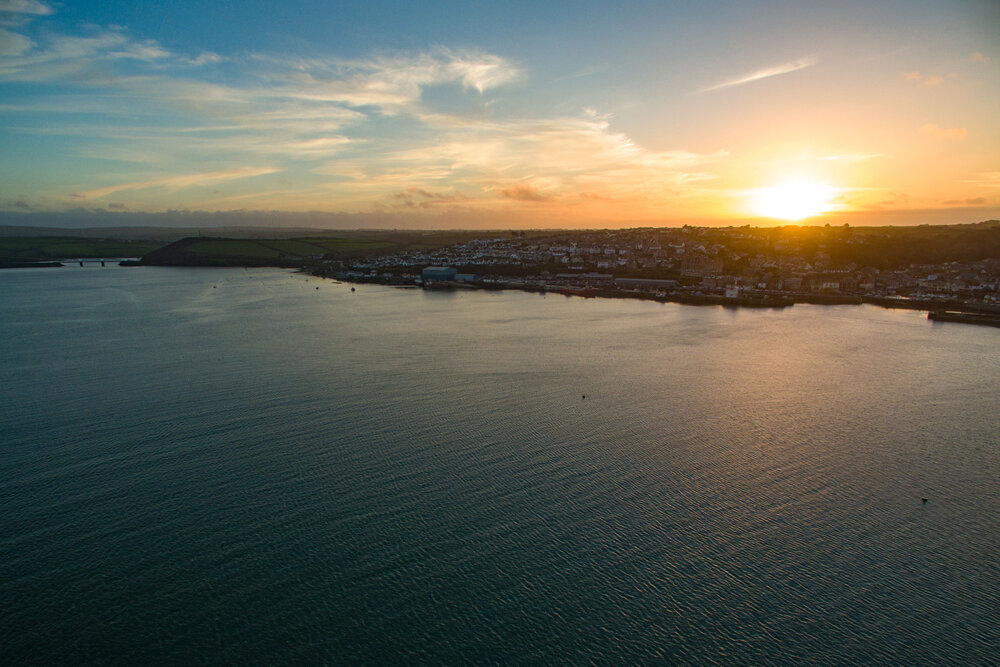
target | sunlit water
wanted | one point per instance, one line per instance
(232, 466)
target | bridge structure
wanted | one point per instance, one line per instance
(91, 261)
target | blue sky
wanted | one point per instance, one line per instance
(503, 114)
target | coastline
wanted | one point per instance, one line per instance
(937, 310)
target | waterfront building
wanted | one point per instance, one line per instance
(438, 273)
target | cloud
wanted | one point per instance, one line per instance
(13, 44)
(25, 7)
(480, 71)
(765, 73)
(177, 182)
(77, 60)
(932, 130)
(927, 81)
(415, 198)
(205, 58)
(987, 179)
(391, 83)
(978, 57)
(970, 201)
(523, 192)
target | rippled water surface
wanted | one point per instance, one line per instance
(204, 466)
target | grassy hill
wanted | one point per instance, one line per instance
(295, 252)
(27, 250)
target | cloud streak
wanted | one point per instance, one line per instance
(178, 182)
(766, 73)
(25, 7)
(928, 81)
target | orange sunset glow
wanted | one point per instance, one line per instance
(661, 115)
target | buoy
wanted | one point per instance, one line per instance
(584, 397)
(925, 500)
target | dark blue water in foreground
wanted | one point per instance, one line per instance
(205, 466)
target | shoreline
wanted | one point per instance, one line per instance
(943, 310)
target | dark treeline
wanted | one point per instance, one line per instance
(882, 248)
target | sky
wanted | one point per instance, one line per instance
(501, 114)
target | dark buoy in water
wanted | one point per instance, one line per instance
(584, 397)
(317, 288)
(215, 286)
(924, 500)
(102, 262)
(352, 289)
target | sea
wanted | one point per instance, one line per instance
(229, 466)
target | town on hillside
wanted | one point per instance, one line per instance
(906, 267)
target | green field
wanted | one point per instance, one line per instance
(48, 248)
(204, 251)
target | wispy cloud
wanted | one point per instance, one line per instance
(177, 182)
(392, 84)
(13, 44)
(978, 57)
(523, 192)
(25, 7)
(987, 179)
(766, 73)
(968, 201)
(205, 58)
(76, 59)
(928, 81)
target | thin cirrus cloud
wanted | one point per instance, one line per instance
(986, 179)
(919, 79)
(177, 182)
(14, 12)
(391, 84)
(25, 7)
(766, 73)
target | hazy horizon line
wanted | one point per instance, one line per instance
(374, 221)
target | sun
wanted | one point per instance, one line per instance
(794, 200)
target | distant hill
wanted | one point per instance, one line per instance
(161, 234)
(298, 251)
(26, 250)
